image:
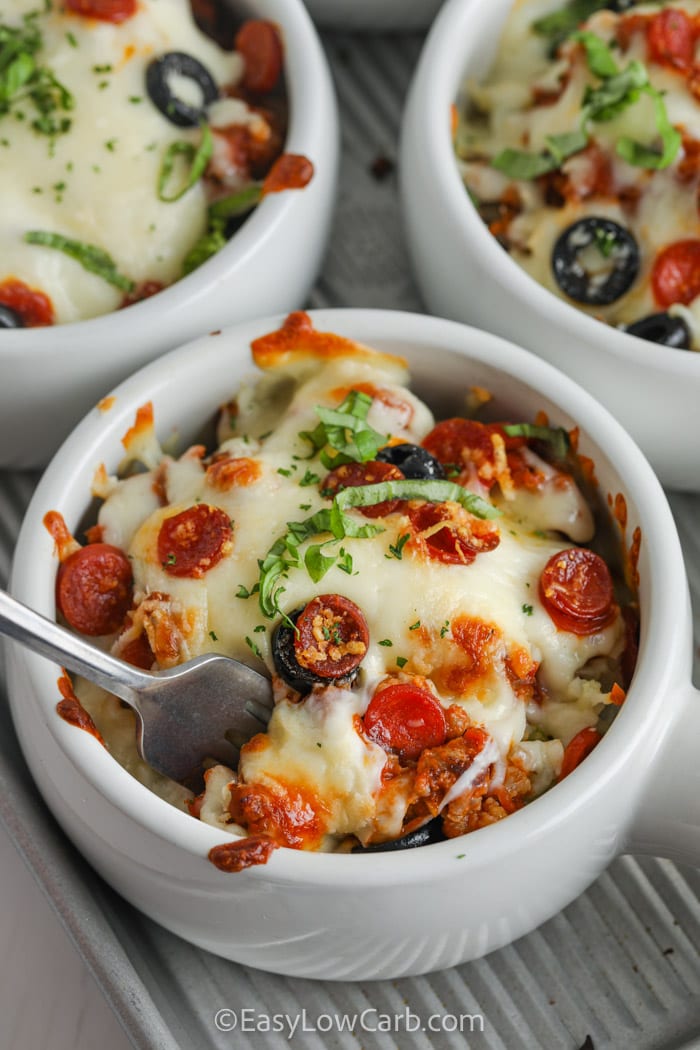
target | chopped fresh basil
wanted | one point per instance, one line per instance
(343, 435)
(208, 244)
(615, 94)
(560, 24)
(253, 647)
(197, 159)
(396, 549)
(387, 642)
(401, 662)
(528, 610)
(238, 203)
(557, 437)
(519, 164)
(89, 256)
(598, 55)
(643, 156)
(284, 554)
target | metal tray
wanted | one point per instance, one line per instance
(618, 968)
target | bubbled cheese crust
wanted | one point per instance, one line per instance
(476, 635)
(98, 182)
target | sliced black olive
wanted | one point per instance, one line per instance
(423, 836)
(412, 460)
(664, 329)
(10, 318)
(158, 84)
(615, 245)
(286, 639)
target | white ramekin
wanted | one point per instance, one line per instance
(397, 16)
(347, 916)
(49, 377)
(464, 274)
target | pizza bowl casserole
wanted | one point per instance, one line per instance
(570, 196)
(162, 163)
(445, 584)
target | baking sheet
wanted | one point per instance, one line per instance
(620, 965)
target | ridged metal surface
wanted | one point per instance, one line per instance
(620, 965)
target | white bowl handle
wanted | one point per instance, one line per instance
(668, 818)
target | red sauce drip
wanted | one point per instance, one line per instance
(72, 711)
(35, 308)
(236, 856)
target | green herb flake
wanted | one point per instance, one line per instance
(401, 662)
(387, 642)
(135, 100)
(213, 635)
(253, 647)
(259, 629)
(89, 256)
(528, 610)
(445, 628)
(170, 560)
(309, 479)
(396, 550)
(286, 473)
(304, 506)
(556, 437)
(70, 37)
(414, 626)
(243, 592)
(102, 69)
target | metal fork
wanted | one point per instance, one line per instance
(205, 708)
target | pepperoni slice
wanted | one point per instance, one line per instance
(33, 307)
(194, 541)
(578, 748)
(259, 43)
(94, 589)
(332, 636)
(406, 719)
(577, 591)
(671, 39)
(104, 10)
(460, 539)
(675, 277)
(449, 439)
(352, 475)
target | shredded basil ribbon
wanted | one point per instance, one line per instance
(197, 158)
(89, 256)
(619, 90)
(24, 82)
(345, 431)
(284, 553)
(557, 437)
(214, 239)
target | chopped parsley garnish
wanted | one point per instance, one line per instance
(170, 560)
(243, 592)
(259, 629)
(396, 550)
(304, 506)
(213, 635)
(345, 561)
(386, 642)
(23, 80)
(284, 554)
(528, 610)
(286, 473)
(89, 256)
(253, 647)
(445, 628)
(401, 662)
(309, 479)
(414, 626)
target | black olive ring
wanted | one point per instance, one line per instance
(422, 836)
(662, 328)
(177, 63)
(412, 460)
(575, 281)
(10, 318)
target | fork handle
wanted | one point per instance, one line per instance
(30, 628)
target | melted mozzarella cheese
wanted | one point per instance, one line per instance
(666, 208)
(98, 182)
(478, 632)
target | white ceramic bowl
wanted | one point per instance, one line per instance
(346, 916)
(52, 376)
(463, 273)
(398, 16)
